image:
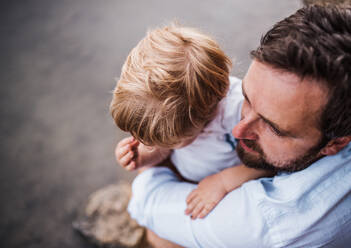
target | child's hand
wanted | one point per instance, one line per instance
(132, 155)
(126, 153)
(209, 192)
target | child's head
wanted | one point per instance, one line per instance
(170, 86)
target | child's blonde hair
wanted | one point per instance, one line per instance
(170, 85)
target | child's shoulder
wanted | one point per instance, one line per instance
(229, 109)
(231, 104)
(234, 87)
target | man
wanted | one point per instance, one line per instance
(296, 119)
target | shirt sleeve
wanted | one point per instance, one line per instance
(158, 203)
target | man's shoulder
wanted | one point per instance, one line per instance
(315, 201)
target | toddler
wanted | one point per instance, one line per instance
(177, 100)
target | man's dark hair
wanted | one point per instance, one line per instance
(327, 2)
(315, 42)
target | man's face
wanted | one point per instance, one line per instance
(279, 126)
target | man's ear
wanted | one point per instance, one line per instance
(335, 145)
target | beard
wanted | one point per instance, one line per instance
(259, 160)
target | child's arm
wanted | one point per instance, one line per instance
(212, 189)
(131, 154)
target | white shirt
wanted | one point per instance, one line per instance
(309, 208)
(213, 149)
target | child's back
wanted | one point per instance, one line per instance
(171, 87)
(213, 149)
(174, 93)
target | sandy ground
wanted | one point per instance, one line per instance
(58, 64)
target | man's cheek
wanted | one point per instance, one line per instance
(270, 146)
(244, 110)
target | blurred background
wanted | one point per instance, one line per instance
(57, 68)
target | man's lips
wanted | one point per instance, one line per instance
(246, 148)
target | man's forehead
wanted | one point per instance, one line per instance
(284, 98)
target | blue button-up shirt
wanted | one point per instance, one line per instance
(310, 208)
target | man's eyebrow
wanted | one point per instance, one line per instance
(271, 123)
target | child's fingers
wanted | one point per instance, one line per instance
(125, 160)
(203, 213)
(197, 210)
(191, 196)
(122, 151)
(125, 141)
(134, 143)
(131, 166)
(191, 206)
(207, 208)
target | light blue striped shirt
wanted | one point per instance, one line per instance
(310, 208)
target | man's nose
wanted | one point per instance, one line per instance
(244, 129)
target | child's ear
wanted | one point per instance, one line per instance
(335, 145)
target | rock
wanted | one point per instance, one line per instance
(106, 221)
